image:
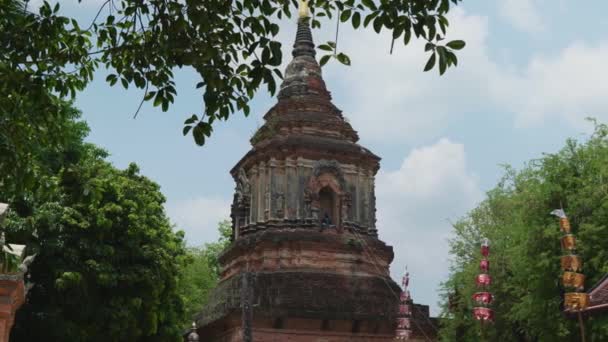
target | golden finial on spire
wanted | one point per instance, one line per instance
(304, 11)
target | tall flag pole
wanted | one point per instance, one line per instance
(573, 281)
(404, 331)
(483, 298)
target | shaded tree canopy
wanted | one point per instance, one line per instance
(231, 44)
(526, 249)
(107, 259)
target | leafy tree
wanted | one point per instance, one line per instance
(202, 272)
(526, 251)
(230, 44)
(34, 146)
(107, 261)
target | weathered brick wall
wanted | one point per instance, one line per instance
(307, 249)
(307, 295)
(274, 335)
(12, 295)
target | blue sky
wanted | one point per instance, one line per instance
(530, 74)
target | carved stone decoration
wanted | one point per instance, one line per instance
(241, 203)
(365, 210)
(243, 188)
(267, 199)
(314, 211)
(372, 222)
(346, 202)
(329, 166)
(307, 204)
(280, 202)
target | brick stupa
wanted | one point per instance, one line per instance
(305, 263)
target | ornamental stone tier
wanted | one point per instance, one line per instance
(305, 260)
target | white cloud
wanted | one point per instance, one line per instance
(424, 172)
(199, 218)
(415, 202)
(523, 15)
(567, 85)
(393, 88)
(570, 85)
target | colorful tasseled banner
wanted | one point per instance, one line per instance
(573, 281)
(483, 299)
(404, 330)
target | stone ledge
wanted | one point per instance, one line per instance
(325, 239)
(306, 295)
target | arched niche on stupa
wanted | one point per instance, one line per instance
(328, 206)
(326, 193)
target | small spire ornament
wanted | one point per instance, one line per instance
(404, 331)
(193, 335)
(304, 10)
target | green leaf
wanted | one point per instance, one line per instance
(345, 15)
(407, 37)
(277, 54)
(149, 95)
(456, 44)
(369, 4)
(430, 63)
(344, 59)
(198, 135)
(266, 55)
(378, 22)
(443, 24)
(191, 120)
(356, 20)
(111, 79)
(186, 130)
(325, 47)
(139, 81)
(443, 59)
(324, 59)
(397, 31)
(369, 18)
(442, 65)
(452, 57)
(432, 32)
(158, 99)
(269, 80)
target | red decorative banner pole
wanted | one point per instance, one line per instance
(404, 331)
(483, 298)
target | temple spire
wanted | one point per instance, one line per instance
(304, 45)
